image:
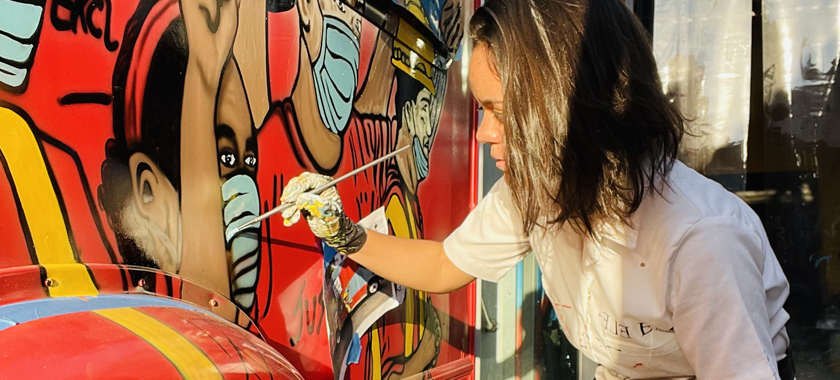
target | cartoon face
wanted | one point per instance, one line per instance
(418, 120)
(312, 14)
(237, 153)
(151, 217)
(235, 138)
(331, 32)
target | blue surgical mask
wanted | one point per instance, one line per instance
(241, 204)
(336, 74)
(420, 160)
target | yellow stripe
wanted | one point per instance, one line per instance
(375, 354)
(396, 216)
(70, 280)
(41, 209)
(188, 359)
(409, 323)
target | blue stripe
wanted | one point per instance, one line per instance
(14, 314)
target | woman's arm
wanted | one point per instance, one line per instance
(719, 303)
(487, 245)
(417, 264)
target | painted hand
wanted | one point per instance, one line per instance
(241, 204)
(324, 213)
(211, 28)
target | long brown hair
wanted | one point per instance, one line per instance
(587, 126)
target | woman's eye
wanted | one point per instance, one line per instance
(227, 159)
(251, 161)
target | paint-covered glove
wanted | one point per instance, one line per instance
(323, 212)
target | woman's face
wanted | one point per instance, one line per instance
(486, 87)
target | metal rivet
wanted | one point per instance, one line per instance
(50, 282)
(214, 303)
(643, 265)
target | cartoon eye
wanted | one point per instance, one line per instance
(251, 161)
(227, 159)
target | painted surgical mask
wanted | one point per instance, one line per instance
(241, 204)
(336, 73)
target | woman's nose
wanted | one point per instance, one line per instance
(489, 131)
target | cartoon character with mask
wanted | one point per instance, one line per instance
(237, 152)
(394, 184)
(183, 142)
(327, 77)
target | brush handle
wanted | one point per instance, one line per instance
(320, 189)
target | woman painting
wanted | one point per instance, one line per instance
(654, 271)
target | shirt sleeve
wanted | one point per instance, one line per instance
(490, 241)
(718, 302)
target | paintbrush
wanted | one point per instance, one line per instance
(318, 190)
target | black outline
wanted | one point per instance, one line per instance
(43, 273)
(24, 225)
(86, 98)
(60, 197)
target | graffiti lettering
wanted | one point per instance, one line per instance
(310, 313)
(81, 12)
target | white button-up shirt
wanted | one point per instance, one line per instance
(692, 289)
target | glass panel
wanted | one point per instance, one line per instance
(702, 48)
(799, 204)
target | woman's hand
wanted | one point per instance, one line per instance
(324, 213)
(211, 28)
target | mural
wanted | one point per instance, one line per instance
(144, 133)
